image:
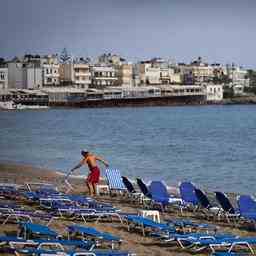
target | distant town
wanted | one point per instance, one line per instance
(75, 81)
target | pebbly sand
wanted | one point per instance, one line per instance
(133, 241)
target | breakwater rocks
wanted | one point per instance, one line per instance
(240, 100)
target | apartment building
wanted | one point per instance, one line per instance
(214, 92)
(103, 76)
(77, 74)
(15, 74)
(149, 75)
(32, 76)
(237, 75)
(125, 75)
(3, 77)
(50, 70)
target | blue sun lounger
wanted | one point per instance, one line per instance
(187, 224)
(207, 208)
(161, 196)
(132, 193)
(188, 194)
(247, 207)
(226, 242)
(37, 236)
(90, 232)
(145, 223)
(114, 180)
(39, 252)
(231, 254)
(228, 210)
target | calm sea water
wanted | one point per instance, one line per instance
(213, 146)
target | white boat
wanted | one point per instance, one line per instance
(10, 105)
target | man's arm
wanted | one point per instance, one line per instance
(102, 160)
(77, 166)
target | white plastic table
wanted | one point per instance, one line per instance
(154, 214)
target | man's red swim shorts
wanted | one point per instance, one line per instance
(94, 175)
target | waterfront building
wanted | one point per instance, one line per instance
(3, 77)
(214, 92)
(149, 74)
(113, 93)
(15, 74)
(182, 90)
(32, 76)
(77, 74)
(170, 75)
(50, 67)
(196, 72)
(25, 73)
(141, 92)
(103, 76)
(125, 75)
(64, 94)
(94, 94)
(237, 75)
(25, 96)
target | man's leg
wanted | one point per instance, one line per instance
(94, 188)
(89, 187)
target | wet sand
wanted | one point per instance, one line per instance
(133, 241)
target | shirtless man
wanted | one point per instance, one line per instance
(94, 176)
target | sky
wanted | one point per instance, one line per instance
(181, 30)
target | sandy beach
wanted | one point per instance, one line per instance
(133, 241)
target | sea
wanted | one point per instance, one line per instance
(212, 146)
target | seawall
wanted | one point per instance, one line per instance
(134, 102)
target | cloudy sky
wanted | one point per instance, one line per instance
(219, 31)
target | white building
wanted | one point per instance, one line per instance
(15, 75)
(50, 67)
(51, 74)
(238, 75)
(103, 76)
(148, 74)
(32, 76)
(77, 74)
(214, 92)
(3, 77)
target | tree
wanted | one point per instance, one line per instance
(2, 61)
(64, 56)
